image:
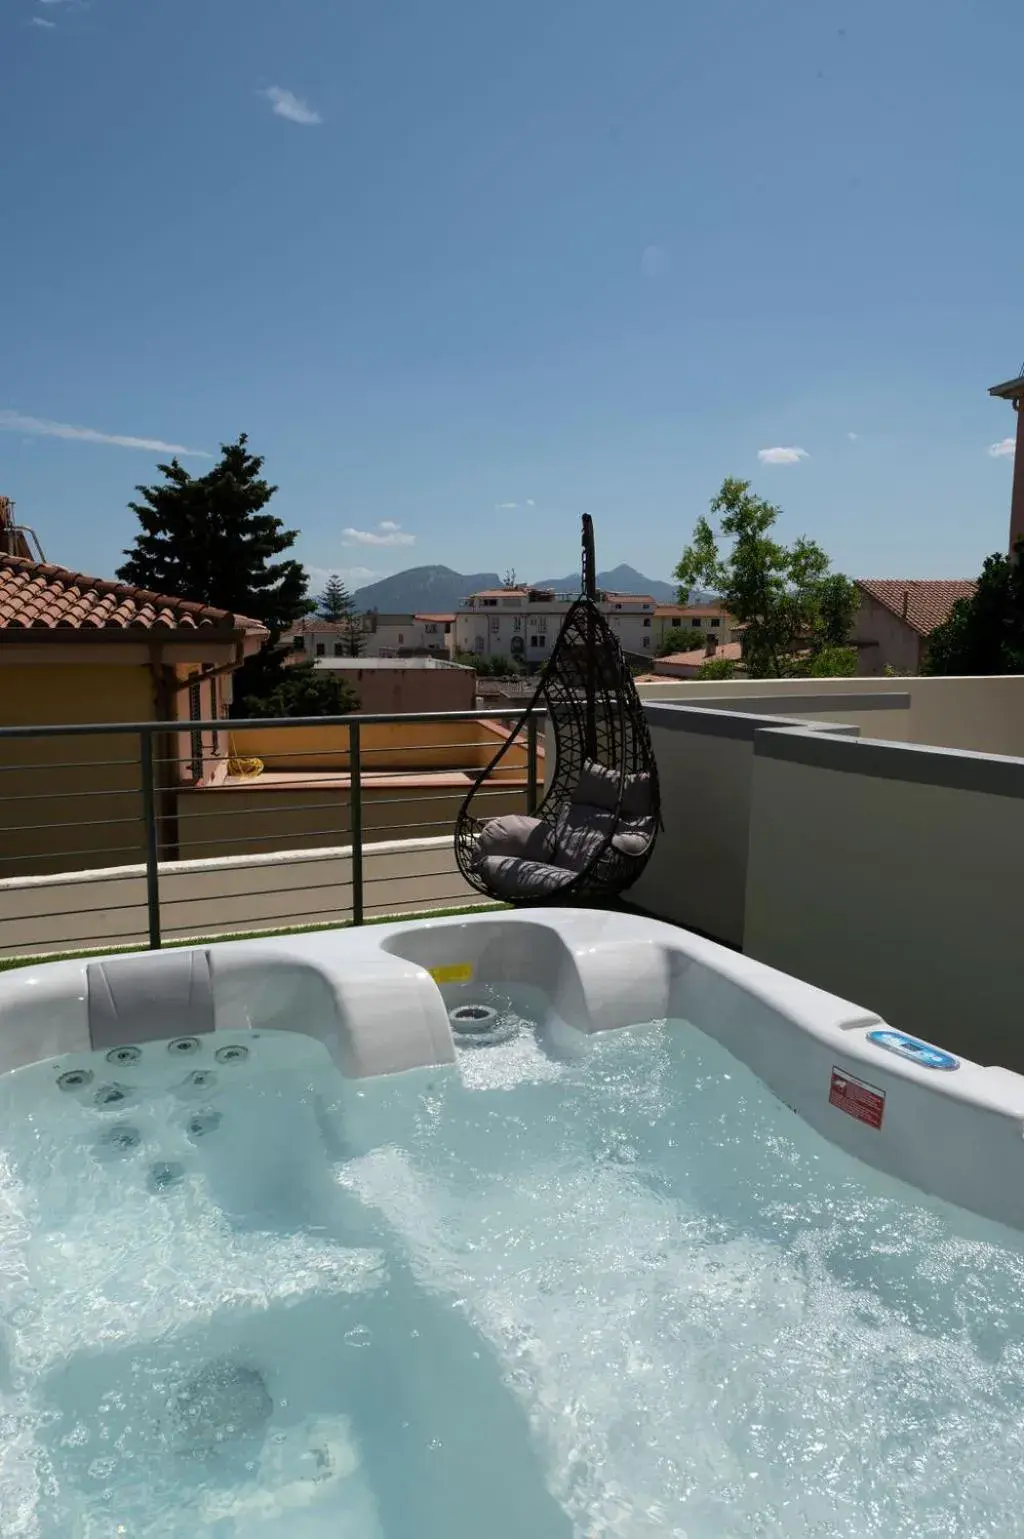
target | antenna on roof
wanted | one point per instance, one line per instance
(14, 538)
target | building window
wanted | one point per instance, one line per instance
(431, 630)
(401, 639)
(696, 624)
(495, 625)
(647, 641)
(320, 649)
(299, 643)
(489, 603)
(517, 622)
(339, 650)
(715, 624)
(537, 640)
(647, 621)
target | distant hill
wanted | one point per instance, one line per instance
(437, 589)
(626, 579)
(423, 590)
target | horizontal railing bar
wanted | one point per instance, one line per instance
(250, 892)
(42, 828)
(258, 723)
(71, 764)
(47, 796)
(116, 849)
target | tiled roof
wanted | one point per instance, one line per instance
(36, 596)
(922, 605)
(437, 619)
(689, 609)
(732, 651)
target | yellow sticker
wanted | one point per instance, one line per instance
(454, 972)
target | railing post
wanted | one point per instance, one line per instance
(149, 819)
(531, 763)
(355, 813)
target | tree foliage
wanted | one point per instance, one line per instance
(304, 690)
(985, 633)
(790, 605)
(717, 668)
(337, 605)
(207, 538)
(681, 638)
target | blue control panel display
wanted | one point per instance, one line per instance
(922, 1053)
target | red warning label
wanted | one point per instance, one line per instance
(856, 1098)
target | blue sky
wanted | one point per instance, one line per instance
(441, 256)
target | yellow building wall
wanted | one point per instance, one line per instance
(69, 803)
(390, 747)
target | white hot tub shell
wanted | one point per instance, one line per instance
(373, 996)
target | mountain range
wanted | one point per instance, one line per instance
(438, 589)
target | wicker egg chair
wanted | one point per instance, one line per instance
(595, 827)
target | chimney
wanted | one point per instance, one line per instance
(906, 602)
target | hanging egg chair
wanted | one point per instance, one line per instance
(595, 827)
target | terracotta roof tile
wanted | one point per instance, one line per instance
(927, 603)
(732, 652)
(37, 596)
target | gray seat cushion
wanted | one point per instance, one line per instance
(508, 877)
(516, 834)
(599, 787)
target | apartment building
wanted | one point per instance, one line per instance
(522, 623)
(390, 635)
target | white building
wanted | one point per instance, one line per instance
(382, 636)
(522, 623)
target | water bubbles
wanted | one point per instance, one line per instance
(165, 1174)
(111, 1095)
(358, 1336)
(120, 1138)
(202, 1123)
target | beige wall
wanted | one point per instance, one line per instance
(385, 747)
(215, 823)
(108, 908)
(383, 691)
(46, 822)
(985, 715)
(897, 645)
(902, 896)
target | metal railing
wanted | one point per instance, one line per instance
(145, 832)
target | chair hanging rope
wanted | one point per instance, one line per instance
(596, 825)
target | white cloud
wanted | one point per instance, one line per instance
(386, 533)
(1002, 450)
(504, 507)
(654, 261)
(351, 576)
(40, 21)
(40, 427)
(287, 105)
(781, 456)
(853, 437)
(530, 502)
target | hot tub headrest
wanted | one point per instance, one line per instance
(148, 998)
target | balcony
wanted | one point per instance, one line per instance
(865, 835)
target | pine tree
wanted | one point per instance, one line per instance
(207, 538)
(335, 602)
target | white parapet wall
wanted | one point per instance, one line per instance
(84, 910)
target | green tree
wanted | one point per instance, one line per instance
(337, 605)
(787, 601)
(304, 690)
(717, 668)
(681, 638)
(207, 538)
(984, 633)
(335, 602)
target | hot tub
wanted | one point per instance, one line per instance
(395, 1232)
